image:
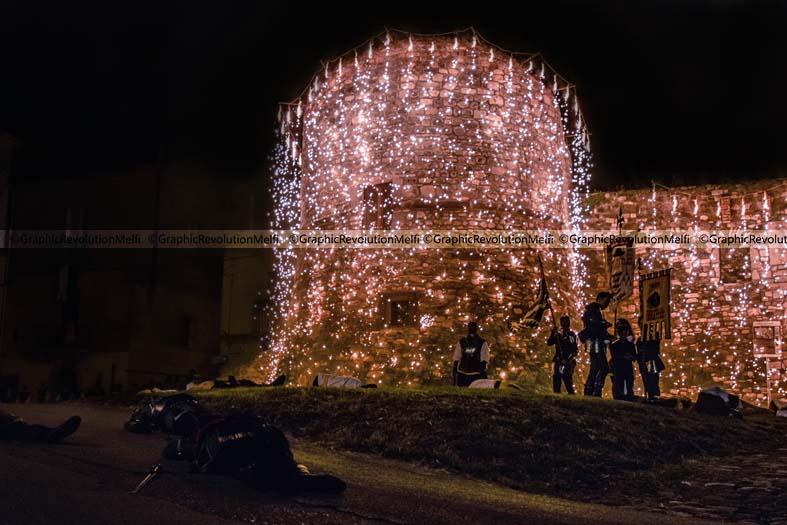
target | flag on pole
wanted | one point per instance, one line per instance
(620, 268)
(535, 313)
(654, 304)
(530, 316)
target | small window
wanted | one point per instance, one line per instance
(400, 309)
(767, 338)
(734, 265)
(377, 206)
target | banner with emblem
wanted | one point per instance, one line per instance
(523, 316)
(620, 268)
(654, 298)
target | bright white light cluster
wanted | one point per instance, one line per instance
(466, 135)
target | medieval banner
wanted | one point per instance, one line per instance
(620, 266)
(530, 316)
(654, 297)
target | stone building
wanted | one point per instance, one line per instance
(406, 132)
(452, 133)
(120, 318)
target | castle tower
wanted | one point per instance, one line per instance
(422, 133)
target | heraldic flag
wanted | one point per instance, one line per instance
(535, 313)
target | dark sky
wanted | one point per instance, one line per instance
(691, 89)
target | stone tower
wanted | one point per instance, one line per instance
(422, 133)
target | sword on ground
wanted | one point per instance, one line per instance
(155, 471)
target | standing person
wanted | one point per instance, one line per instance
(565, 358)
(624, 353)
(471, 357)
(595, 337)
(650, 366)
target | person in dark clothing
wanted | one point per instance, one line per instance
(250, 450)
(179, 414)
(243, 446)
(12, 427)
(624, 353)
(650, 366)
(471, 357)
(596, 338)
(565, 358)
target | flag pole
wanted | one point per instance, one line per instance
(549, 298)
(620, 220)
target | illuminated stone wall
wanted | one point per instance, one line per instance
(723, 303)
(468, 137)
(452, 133)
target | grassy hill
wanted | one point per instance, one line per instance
(541, 443)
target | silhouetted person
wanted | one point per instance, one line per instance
(650, 366)
(624, 353)
(471, 357)
(12, 427)
(565, 358)
(595, 336)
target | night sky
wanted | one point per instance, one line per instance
(682, 91)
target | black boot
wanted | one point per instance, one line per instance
(68, 427)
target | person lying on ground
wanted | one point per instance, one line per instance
(334, 381)
(244, 446)
(250, 450)
(495, 384)
(232, 382)
(178, 414)
(13, 427)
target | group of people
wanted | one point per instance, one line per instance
(624, 352)
(471, 355)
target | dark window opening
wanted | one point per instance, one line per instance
(400, 309)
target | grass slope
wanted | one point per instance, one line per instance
(544, 443)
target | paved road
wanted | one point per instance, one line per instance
(87, 480)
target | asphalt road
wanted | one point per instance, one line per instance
(87, 479)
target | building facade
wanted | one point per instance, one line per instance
(111, 320)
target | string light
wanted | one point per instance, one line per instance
(467, 141)
(717, 296)
(462, 142)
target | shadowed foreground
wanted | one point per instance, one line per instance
(583, 449)
(87, 479)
